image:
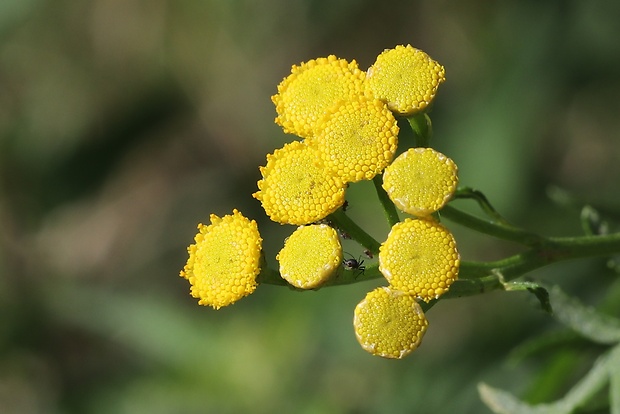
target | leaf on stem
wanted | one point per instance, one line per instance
(584, 320)
(503, 402)
(539, 291)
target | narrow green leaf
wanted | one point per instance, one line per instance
(614, 381)
(540, 292)
(503, 402)
(586, 321)
(594, 381)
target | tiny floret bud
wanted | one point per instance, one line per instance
(296, 188)
(310, 256)
(405, 78)
(357, 138)
(311, 88)
(419, 257)
(389, 323)
(420, 181)
(225, 260)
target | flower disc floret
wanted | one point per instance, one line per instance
(405, 78)
(296, 188)
(420, 181)
(310, 256)
(224, 261)
(357, 138)
(419, 257)
(389, 323)
(311, 88)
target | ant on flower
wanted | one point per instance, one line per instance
(354, 264)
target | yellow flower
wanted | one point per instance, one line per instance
(225, 260)
(405, 78)
(420, 181)
(356, 138)
(311, 88)
(296, 187)
(419, 257)
(389, 323)
(310, 256)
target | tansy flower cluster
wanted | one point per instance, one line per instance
(346, 125)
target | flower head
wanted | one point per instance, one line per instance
(389, 323)
(225, 260)
(310, 256)
(356, 138)
(296, 188)
(420, 181)
(311, 88)
(405, 78)
(419, 257)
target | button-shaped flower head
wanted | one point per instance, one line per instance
(389, 323)
(311, 88)
(310, 256)
(419, 257)
(296, 188)
(405, 78)
(420, 181)
(357, 138)
(225, 260)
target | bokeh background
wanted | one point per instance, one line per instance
(124, 123)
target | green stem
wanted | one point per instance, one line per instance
(479, 277)
(422, 128)
(388, 207)
(344, 223)
(500, 230)
(483, 202)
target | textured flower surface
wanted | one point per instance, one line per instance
(311, 88)
(405, 78)
(389, 323)
(296, 187)
(357, 138)
(419, 257)
(225, 260)
(310, 256)
(420, 181)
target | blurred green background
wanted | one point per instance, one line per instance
(124, 123)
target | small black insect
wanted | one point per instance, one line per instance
(368, 254)
(354, 264)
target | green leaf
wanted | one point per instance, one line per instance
(503, 402)
(586, 321)
(614, 381)
(539, 291)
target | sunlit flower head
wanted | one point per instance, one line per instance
(225, 260)
(419, 257)
(296, 188)
(405, 78)
(357, 138)
(310, 256)
(389, 323)
(311, 88)
(420, 181)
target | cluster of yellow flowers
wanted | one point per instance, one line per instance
(346, 122)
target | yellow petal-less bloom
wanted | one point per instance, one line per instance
(296, 188)
(311, 88)
(310, 256)
(419, 257)
(420, 181)
(405, 78)
(225, 260)
(356, 138)
(389, 323)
